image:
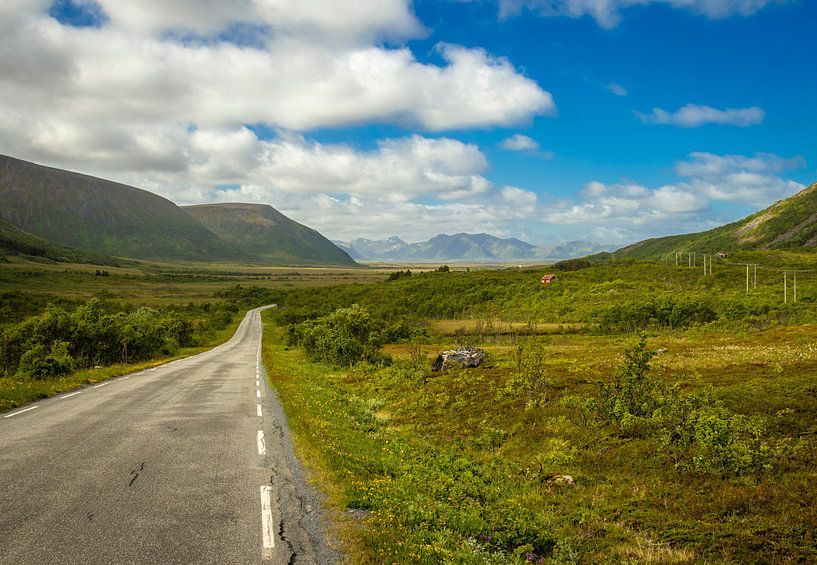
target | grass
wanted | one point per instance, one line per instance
(456, 467)
(17, 392)
(491, 326)
(451, 468)
(166, 283)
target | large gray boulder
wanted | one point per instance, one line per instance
(463, 357)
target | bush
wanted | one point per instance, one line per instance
(632, 397)
(344, 338)
(665, 311)
(39, 363)
(56, 341)
(700, 434)
(696, 431)
(530, 379)
(399, 275)
(572, 265)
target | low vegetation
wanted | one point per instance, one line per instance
(632, 412)
(692, 441)
(66, 345)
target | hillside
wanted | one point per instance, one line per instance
(102, 216)
(787, 224)
(14, 241)
(262, 231)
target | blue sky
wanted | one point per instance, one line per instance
(548, 120)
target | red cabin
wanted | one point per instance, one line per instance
(547, 279)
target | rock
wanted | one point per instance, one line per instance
(464, 357)
(661, 350)
(562, 480)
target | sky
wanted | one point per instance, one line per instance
(547, 120)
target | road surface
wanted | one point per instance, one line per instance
(189, 462)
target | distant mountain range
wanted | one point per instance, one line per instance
(465, 247)
(70, 216)
(787, 224)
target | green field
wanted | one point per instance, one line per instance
(707, 455)
(461, 466)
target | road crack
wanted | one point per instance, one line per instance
(134, 474)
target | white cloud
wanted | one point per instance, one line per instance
(633, 211)
(355, 21)
(616, 89)
(708, 165)
(160, 98)
(520, 142)
(414, 186)
(518, 196)
(693, 115)
(607, 13)
(320, 64)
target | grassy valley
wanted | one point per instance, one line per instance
(712, 463)
(629, 411)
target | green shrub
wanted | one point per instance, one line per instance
(41, 363)
(344, 338)
(98, 333)
(530, 378)
(700, 434)
(572, 265)
(696, 431)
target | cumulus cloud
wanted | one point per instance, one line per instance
(169, 99)
(631, 211)
(607, 13)
(318, 64)
(525, 199)
(413, 186)
(693, 115)
(520, 142)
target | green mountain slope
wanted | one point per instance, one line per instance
(787, 224)
(262, 231)
(14, 241)
(103, 216)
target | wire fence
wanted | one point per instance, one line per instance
(751, 268)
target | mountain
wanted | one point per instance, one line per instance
(787, 224)
(377, 250)
(102, 216)
(14, 241)
(349, 250)
(262, 231)
(480, 247)
(472, 247)
(41, 205)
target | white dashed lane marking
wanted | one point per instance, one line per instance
(267, 529)
(262, 444)
(70, 395)
(258, 410)
(19, 412)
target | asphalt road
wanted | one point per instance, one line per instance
(189, 462)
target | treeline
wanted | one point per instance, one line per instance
(615, 297)
(58, 341)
